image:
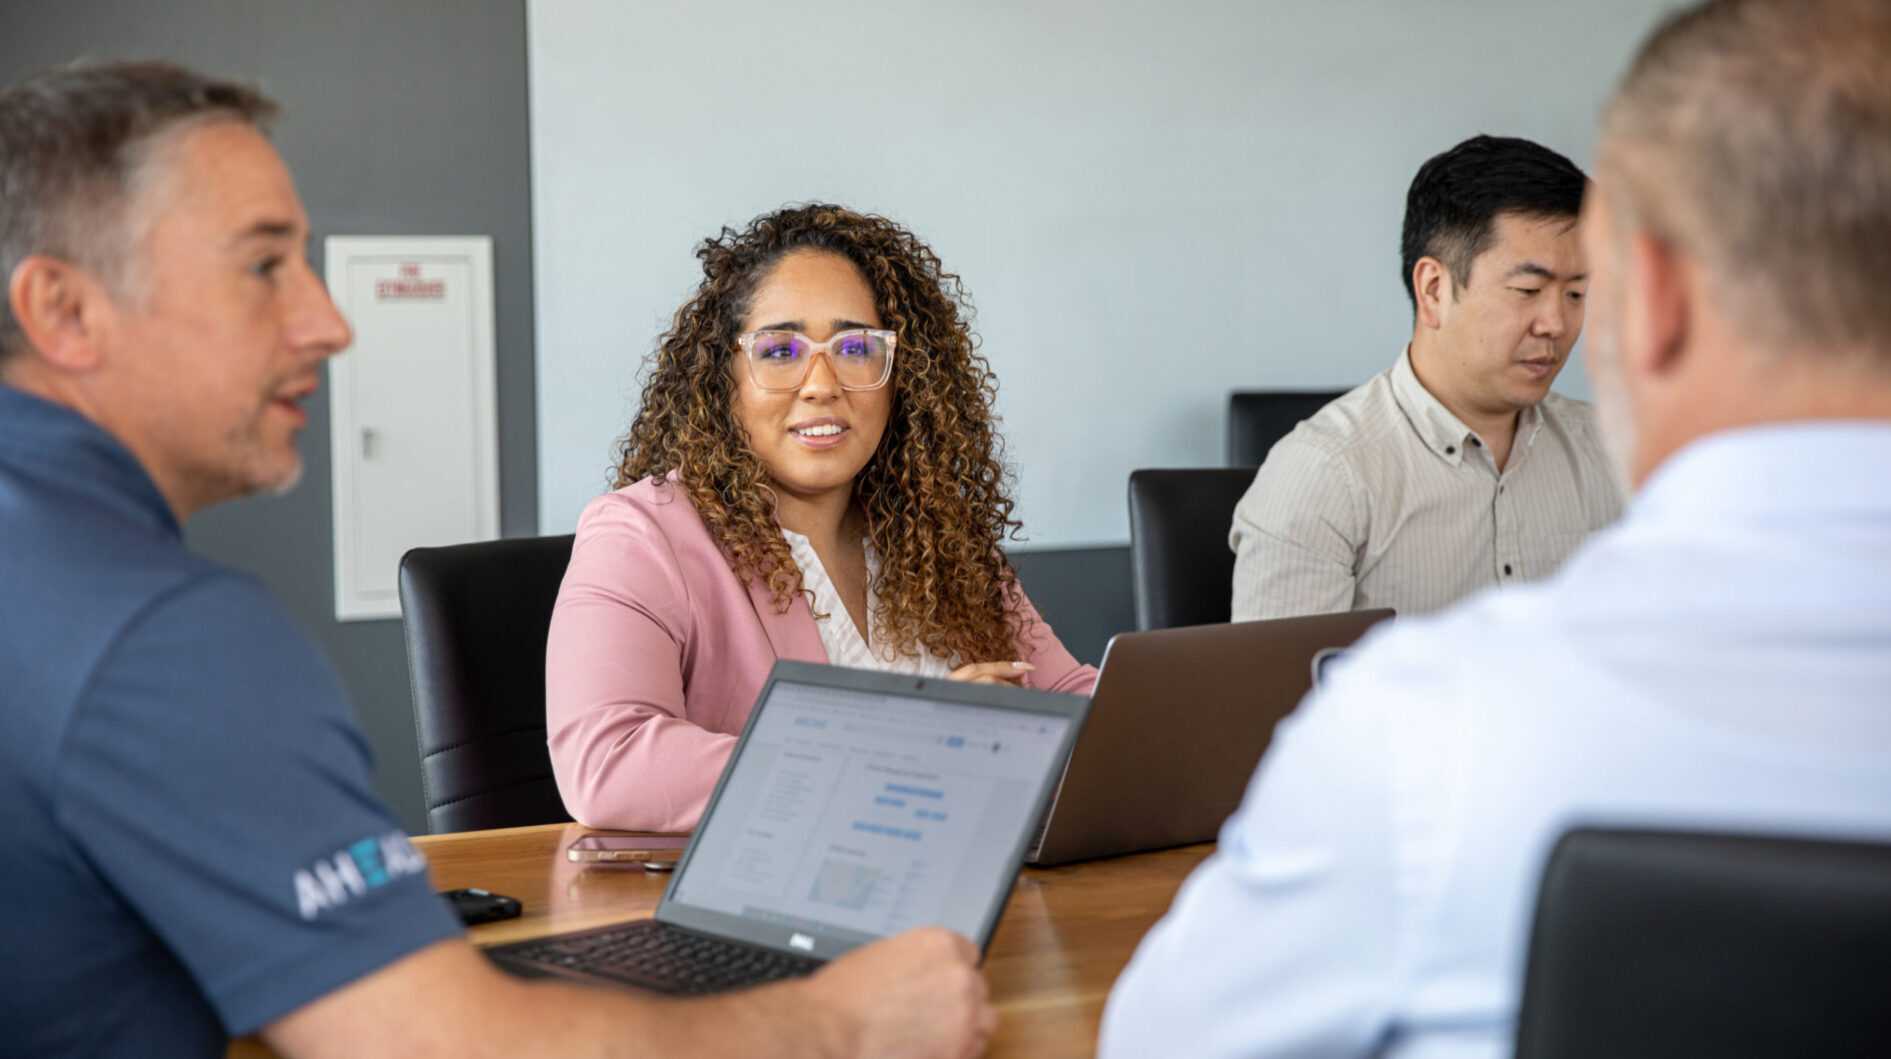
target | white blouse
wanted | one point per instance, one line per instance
(839, 634)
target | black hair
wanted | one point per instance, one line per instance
(1452, 207)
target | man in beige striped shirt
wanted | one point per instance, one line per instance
(1456, 468)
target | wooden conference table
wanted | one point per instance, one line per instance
(1066, 935)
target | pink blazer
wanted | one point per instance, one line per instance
(657, 653)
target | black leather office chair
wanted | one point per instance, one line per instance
(1181, 569)
(476, 617)
(1664, 944)
(1258, 418)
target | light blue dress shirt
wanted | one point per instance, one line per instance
(1720, 659)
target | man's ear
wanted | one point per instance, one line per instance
(1431, 287)
(61, 308)
(1656, 306)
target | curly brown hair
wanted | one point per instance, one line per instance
(935, 493)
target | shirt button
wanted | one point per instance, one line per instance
(1477, 443)
(1506, 569)
(1451, 450)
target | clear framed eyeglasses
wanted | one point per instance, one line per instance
(780, 360)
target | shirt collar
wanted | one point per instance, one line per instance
(1443, 432)
(57, 442)
(1805, 469)
(802, 547)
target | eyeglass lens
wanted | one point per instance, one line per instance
(780, 359)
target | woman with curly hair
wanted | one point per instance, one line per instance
(814, 474)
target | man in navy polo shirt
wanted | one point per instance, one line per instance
(192, 848)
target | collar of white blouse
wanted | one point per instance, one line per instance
(839, 635)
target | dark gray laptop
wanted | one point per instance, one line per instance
(855, 805)
(1178, 723)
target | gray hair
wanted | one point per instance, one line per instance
(73, 144)
(1755, 136)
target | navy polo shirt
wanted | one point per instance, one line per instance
(192, 845)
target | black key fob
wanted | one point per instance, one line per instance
(481, 906)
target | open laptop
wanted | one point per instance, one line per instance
(856, 805)
(1177, 725)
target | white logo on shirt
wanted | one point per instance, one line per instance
(348, 873)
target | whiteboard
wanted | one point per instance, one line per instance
(1152, 205)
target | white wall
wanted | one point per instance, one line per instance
(1151, 205)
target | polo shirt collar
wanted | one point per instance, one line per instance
(43, 438)
(1440, 430)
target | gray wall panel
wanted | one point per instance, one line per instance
(1083, 593)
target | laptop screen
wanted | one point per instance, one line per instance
(849, 815)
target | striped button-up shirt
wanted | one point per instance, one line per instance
(1386, 499)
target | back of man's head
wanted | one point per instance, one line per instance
(1452, 206)
(1755, 137)
(73, 147)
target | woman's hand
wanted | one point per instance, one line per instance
(993, 673)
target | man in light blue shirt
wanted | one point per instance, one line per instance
(1720, 660)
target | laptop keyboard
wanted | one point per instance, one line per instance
(658, 956)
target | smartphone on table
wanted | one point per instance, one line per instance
(474, 905)
(649, 852)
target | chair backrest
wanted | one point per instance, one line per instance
(1258, 418)
(476, 618)
(1660, 943)
(1181, 568)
